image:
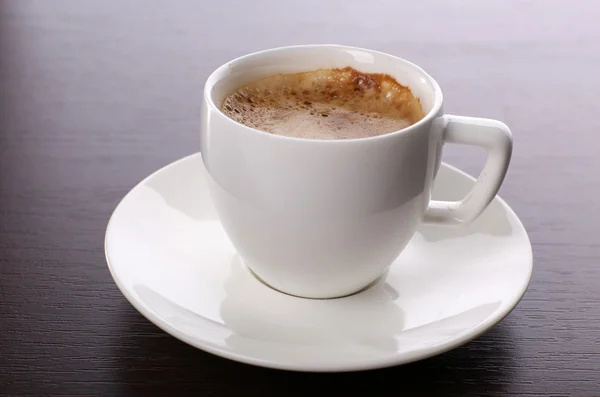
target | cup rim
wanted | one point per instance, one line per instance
(433, 112)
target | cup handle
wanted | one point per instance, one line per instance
(495, 137)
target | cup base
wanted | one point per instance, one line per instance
(366, 287)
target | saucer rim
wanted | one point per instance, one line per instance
(399, 359)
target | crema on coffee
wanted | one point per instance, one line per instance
(325, 104)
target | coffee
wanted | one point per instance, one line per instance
(325, 104)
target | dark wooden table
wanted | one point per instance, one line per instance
(95, 95)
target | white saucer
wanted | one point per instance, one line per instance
(171, 259)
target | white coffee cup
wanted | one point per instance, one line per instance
(325, 218)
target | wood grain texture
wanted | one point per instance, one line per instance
(95, 95)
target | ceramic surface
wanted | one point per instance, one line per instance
(324, 218)
(170, 257)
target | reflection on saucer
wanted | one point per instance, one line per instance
(255, 316)
(253, 310)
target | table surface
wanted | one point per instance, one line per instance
(95, 95)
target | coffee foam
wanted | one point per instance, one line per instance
(325, 104)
